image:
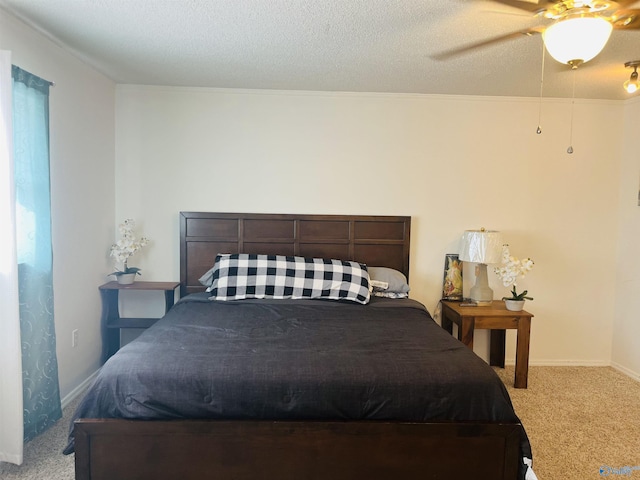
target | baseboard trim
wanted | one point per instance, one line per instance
(626, 371)
(78, 390)
(564, 363)
(581, 363)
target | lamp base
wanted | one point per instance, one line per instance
(481, 293)
(480, 303)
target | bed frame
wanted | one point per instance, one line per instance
(108, 449)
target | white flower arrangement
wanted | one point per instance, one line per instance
(510, 269)
(126, 247)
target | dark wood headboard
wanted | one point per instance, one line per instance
(381, 241)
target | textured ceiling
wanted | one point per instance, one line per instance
(326, 45)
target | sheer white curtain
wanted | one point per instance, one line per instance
(11, 409)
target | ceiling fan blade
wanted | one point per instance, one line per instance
(628, 19)
(532, 7)
(485, 43)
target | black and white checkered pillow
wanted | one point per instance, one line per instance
(240, 275)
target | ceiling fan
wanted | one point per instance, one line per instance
(579, 31)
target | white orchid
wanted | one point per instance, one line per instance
(510, 269)
(127, 246)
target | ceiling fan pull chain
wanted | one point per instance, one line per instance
(573, 101)
(539, 129)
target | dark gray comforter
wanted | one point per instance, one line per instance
(302, 359)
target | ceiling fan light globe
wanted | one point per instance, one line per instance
(577, 39)
(632, 85)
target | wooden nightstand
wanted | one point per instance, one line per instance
(496, 318)
(111, 322)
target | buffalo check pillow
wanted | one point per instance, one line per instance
(239, 276)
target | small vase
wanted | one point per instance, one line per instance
(126, 278)
(514, 305)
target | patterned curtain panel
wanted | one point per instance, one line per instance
(33, 231)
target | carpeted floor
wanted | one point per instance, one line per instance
(43, 459)
(579, 420)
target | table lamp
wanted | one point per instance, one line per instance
(481, 247)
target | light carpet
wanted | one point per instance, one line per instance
(579, 420)
(43, 458)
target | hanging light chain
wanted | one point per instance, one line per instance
(573, 101)
(539, 129)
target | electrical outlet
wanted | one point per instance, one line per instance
(74, 338)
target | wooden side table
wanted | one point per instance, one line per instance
(496, 318)
(111, 322)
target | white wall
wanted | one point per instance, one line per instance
(452, 163)
(82, 143)
(626, 334)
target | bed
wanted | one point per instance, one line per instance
(296, 389)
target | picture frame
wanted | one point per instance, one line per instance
(452, 278)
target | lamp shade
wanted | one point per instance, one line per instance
(481, 246)
(577, 40)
